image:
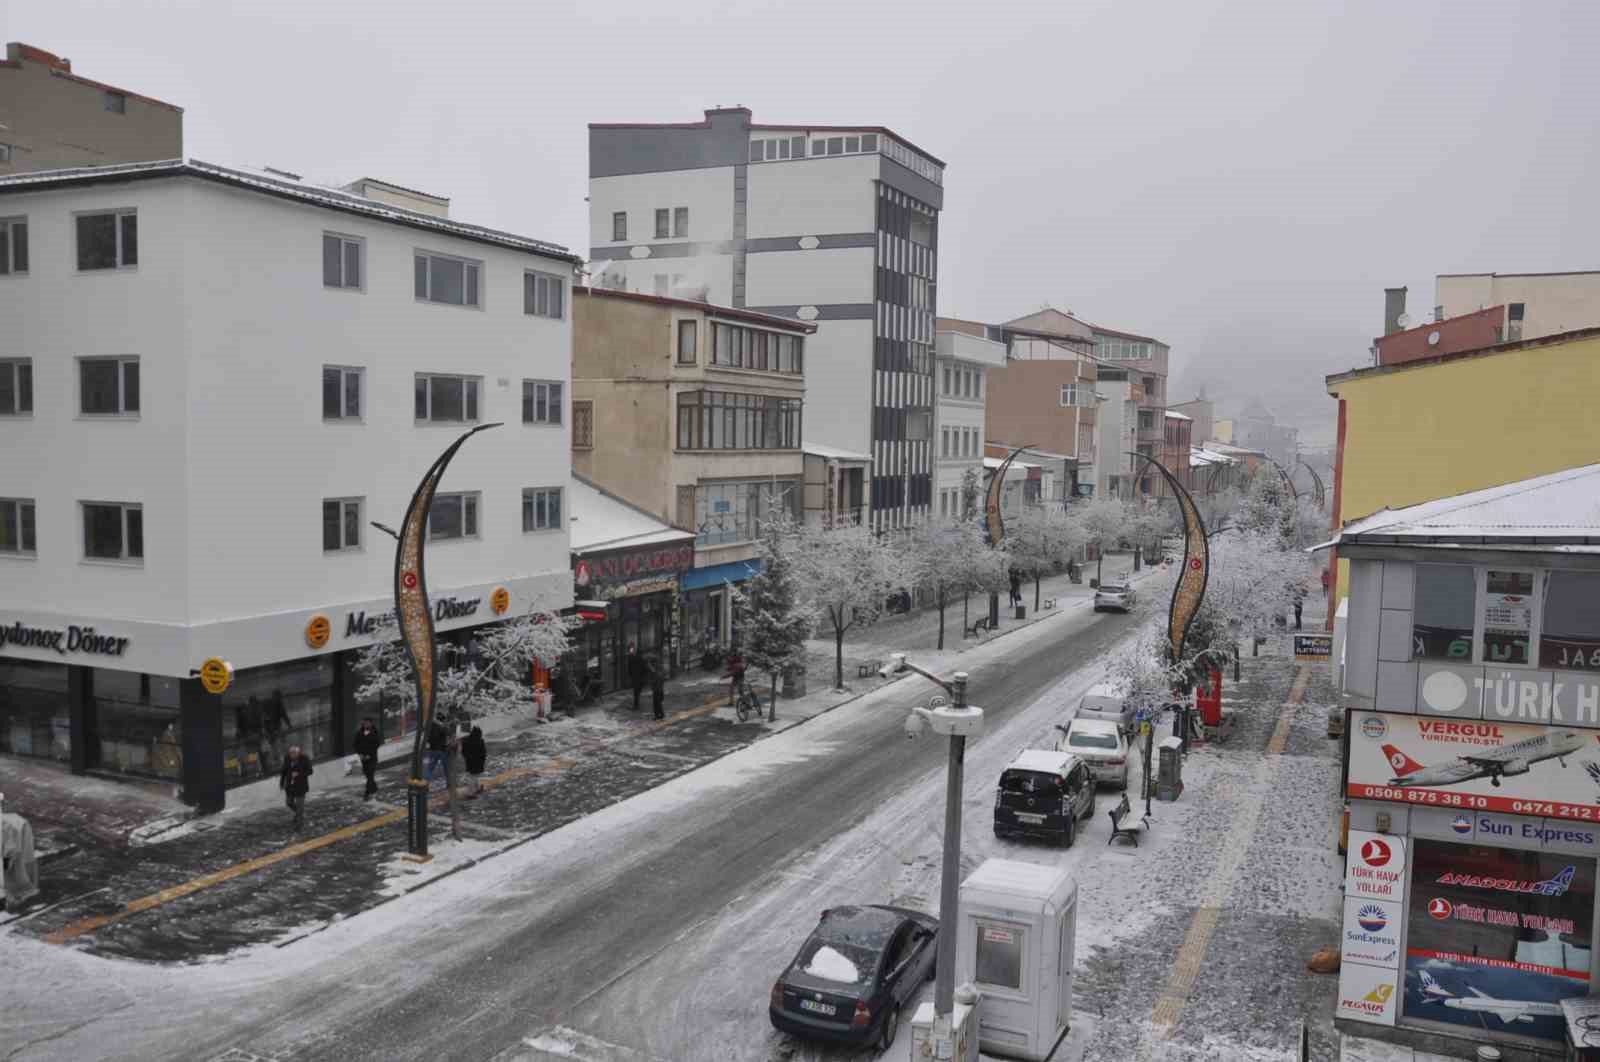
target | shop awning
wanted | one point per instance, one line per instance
(717, 574)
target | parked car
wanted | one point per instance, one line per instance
(854, 973)
(1101, 744)
(1118, 596)
(1106, 701)
(1043, 794)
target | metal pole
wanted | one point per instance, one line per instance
(949, 887)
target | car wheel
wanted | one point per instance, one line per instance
(891, 1026)
(1071, 833)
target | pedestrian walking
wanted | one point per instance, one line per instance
(1016, 588)
(638, 673)
(295, 781)
(476, 753)
(435, 756)
(1325, 581)
(1299, 603)
(366, 743)
(735, 675)
(658, 689)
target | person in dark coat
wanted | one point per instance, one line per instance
(365, 744)
(1016, 588)
(295, 781)
(436, 756)
(1299, 605)
(735, 674)
(638, 673)
(658, 688)
(476, 753)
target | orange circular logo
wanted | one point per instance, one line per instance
(317, 631)
(500, 600)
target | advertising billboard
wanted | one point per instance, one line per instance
(1476, 765)
(1374, 918)
(1497, 936)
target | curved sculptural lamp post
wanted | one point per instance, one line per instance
(1190, 589)
(415, 615)
(994, 523)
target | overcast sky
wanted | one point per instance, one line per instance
(1239, 179)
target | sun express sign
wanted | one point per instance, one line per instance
(71, 639)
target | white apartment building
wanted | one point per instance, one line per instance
(962, 360)
(1118, 392)
(219, 379)
(829, 224)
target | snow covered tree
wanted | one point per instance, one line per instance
(1041, 537)
(1105, 523)
(845, 575)
(971, 494)
(1268, 508)
(947, 558)
(776, 621)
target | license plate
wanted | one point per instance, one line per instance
(1030, 818)
(812, 1005)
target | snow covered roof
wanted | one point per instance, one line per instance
(832, 453)
(1045, 761)
(992, 463)
(600, 521)
(1559, 511)
(310, 194)
(1205, 455)
(1228, 450)
(1173, 414)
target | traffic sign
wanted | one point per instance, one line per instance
(216, 675)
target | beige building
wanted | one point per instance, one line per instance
(54, 119)
(692, 413)
(1536, 304)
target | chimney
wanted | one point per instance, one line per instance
(1394, 304)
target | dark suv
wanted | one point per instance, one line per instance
(1043, 794)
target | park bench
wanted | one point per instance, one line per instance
(867, 668)
(1049, 602)
(979, 625)
(1118, 815)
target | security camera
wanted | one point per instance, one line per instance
(896, 664)
(914, 725)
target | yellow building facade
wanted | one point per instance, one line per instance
(1429, 429)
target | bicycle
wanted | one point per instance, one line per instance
(747, 703)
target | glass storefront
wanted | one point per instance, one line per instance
(34, 716)
(268, 709)
(137, 728)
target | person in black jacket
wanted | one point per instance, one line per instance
(638, 673)
(657, 688)
(366, 745)
(437, 753)
(295, 781)
(475, 753)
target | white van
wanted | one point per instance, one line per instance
(1107, 702)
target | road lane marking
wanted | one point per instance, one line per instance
(1186, 967)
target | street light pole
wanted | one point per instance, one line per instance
(958, 721)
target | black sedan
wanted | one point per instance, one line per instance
(854, 973)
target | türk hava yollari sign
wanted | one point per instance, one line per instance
(1478, 765)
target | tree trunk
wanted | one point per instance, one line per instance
(966, 621)
(1100, 567)
(1036, 591)
(772, 707)
(838, 659)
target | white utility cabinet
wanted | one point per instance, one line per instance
(1014, 944)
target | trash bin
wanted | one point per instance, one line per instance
(1022, 612)
(1169, 769)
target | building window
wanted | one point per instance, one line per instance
(1000, 947)
(1507, 616)
(1570, 637)
(450, 399)
(946, 389)
(341, 261)
(944, 446)
(108, 240)
(108, 386)
(1515, 311)
(1069, 394)
(543, 295)
(688, 333)
(13, 245)
(718, 420)
(1442, 621)
(750, 348)
(733, 512)
(116, 102)
(541, 509)
(5, 152)
(453, 516)
(680, 221)
(341, 524)
(583, 425)
(16, 386)
(453, 281)
(341, 392)
(661, 223)
(619, 225)
(541, 402)
(113, 531)
(17, 535)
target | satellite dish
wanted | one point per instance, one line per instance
(1404, 320)
(1433, 338)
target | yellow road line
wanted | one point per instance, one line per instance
(554, 766)
(1186, 967)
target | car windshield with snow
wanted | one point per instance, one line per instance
(854, 974)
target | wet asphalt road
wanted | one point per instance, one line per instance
(510, 965)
